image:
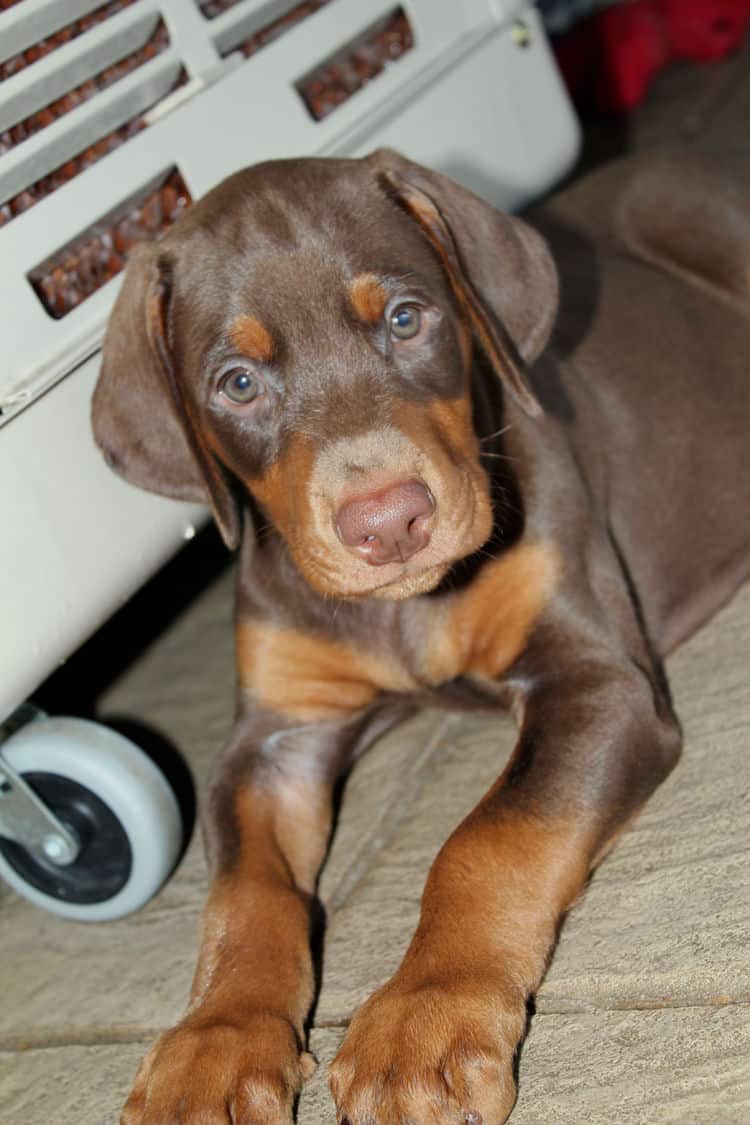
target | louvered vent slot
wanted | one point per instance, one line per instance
(48, 114)
(251, 36)
(62, 175)
(59, 38)
(352, 67)
(76, 271)
(85, 102)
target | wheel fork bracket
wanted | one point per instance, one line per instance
(26, 820)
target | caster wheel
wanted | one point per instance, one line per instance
(115, 801)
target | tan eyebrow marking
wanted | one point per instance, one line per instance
(368, 297)
(252, 338)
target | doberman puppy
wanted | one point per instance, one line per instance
(450, 477)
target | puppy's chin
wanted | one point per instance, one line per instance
(403, 586)
(411, 584)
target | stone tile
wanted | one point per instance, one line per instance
(134, 973)
(688, 1066)
(81, 1085)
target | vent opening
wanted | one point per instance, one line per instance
(99, 253)
(333, 82)
(157, 42)
(80, 161)
(252, 35)
(58, 38)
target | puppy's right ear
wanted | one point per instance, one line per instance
(142, 419)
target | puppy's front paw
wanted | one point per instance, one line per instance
(430, 1056)
(200, 1073)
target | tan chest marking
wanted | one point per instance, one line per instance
(479, 632)
(310, 678)
(483, 629)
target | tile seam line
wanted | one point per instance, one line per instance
(19, 1043)
(332, 1024)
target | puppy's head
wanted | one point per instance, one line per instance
(305, 333)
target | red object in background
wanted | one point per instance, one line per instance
(611, 58)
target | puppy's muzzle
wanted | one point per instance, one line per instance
(389, 525)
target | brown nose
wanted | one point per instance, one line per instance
(389, 525)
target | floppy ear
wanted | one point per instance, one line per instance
(499, 269)
(143, 421)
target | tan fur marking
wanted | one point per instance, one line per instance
(368, 297)
(252, 338)
(482, 630)
(254, 984)
(310, 678)
(283, 490)
(479, 632)
(453, 419)
(519, 873)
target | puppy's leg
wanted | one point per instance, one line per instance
(436, 1043)
(236, 1056)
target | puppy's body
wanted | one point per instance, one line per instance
(354, 354)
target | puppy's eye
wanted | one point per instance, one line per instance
(406, 321)
(239, 386)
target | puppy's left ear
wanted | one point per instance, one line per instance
(500, 270)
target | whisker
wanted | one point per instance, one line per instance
(497, 433)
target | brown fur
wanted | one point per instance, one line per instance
(565, 542)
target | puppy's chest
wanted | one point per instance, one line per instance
(478, 633)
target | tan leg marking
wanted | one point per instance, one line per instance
(236, 1054)
(252, 338)
(436, 1043)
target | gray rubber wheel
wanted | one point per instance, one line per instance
(116, 801)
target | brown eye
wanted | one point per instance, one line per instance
(239, 386)
(406, 321)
